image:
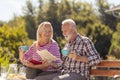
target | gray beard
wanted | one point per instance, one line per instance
(68, 38)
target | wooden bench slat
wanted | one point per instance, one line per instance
(109, 73)
(106, 63)
(106, 68)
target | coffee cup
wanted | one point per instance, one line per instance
(24, 48)
(65, 52)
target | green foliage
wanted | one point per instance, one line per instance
(115, 47)
(6, 56)
(11, 38)
(107, 19)
(49, 11)
(98, 26)
(29, 16)
(89, 22)
(101, 35)
(1, 23)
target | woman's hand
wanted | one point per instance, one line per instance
(45, 64)
(54, 65)
(28, 64)
(21, 54)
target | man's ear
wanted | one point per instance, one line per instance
(73, 30)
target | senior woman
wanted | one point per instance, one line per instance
(44, 41)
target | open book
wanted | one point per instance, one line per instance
(46, 55)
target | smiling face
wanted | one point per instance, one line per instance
(46, 32)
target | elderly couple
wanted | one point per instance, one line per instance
(75, 66)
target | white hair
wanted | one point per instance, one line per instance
(70, 22)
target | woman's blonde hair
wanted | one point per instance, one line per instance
(41, 28)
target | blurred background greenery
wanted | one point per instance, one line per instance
(101, 27)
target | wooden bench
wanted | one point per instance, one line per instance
(106, 69)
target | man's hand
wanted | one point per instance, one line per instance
(76, 57)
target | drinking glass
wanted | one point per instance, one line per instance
(22, 71)
(12, 72)
(12, 69)
(3, 72)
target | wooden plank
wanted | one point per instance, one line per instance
(106, 68)
(107, 63)
(109, 73)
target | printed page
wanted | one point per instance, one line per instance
(46, 55)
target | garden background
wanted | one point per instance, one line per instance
(101, 27)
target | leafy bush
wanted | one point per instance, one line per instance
(11, 37)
